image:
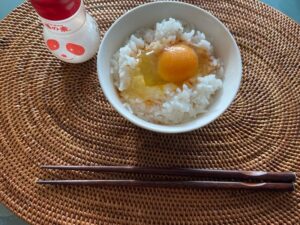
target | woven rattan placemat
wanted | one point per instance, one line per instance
(55, 113)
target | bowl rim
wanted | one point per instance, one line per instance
(160, 128)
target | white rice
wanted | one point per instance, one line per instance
(179, 104)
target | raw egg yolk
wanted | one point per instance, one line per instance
(177, 63)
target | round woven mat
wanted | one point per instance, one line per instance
(55, 113)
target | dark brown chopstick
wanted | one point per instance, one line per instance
(282, 177)
(172, 184)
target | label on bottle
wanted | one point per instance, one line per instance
(68, 25)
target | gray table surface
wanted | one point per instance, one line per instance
(289, 7)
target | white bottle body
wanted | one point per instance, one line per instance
(73, 40)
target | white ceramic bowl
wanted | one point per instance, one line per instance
(147, 15)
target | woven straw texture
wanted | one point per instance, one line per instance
(55, 113)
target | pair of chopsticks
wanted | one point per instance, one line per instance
(281, 181)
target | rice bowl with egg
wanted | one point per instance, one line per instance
(168, 74)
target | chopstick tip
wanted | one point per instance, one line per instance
(47, 167)
(38, 181)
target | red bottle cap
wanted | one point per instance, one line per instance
(56, 9)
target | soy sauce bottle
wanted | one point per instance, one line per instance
(70, 33)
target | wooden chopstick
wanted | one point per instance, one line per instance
(172, 184)
(282, 177)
